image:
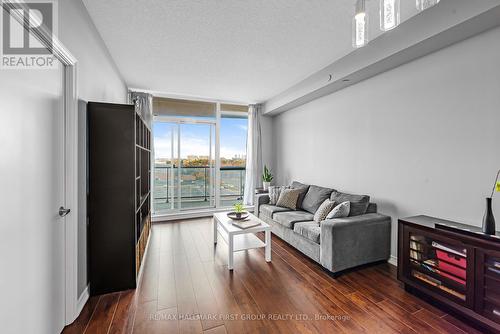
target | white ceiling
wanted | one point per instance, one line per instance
(234, 50)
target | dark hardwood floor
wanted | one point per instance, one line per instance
(186, 288)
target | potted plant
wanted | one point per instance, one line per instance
(239, 209)
(267, 177)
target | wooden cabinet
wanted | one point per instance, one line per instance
(119, 196)
(488, 284)
(454, 265)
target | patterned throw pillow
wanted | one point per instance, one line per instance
(274, 193)
(323, 210)
(340, 211)
(288, 198)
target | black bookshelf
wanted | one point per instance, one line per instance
(119, 195)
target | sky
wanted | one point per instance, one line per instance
(195, 138)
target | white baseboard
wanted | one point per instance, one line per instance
(192, 214)
(82, 300)
(393, 260)
(141, 269)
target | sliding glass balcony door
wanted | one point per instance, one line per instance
(199, 155)
(166, 157)
(197, 166)
(184, 177)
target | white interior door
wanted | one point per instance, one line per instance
(31, 192)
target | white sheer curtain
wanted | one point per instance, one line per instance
(254, 154)
(144, 104)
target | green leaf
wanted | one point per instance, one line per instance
(498, 186)
(266, 175)
(238, 207)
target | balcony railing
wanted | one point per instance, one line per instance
(195, 187)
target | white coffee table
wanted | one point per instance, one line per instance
(241, 239)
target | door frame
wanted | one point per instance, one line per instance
(70, 137)
(74, 304)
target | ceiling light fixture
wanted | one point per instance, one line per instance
(389, 14)
(425, 4)
(360, 25)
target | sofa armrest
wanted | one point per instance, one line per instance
(260, 199)
(353, 241)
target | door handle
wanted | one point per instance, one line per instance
(63, 212)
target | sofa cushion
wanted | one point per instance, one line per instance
(359, 203)
(304, 187)
(289, 218)
(314, 197)
(309, 230)
(372, 208)
(269, 210)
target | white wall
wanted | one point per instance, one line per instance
(266, 125)
(98, 80)
(422, 138)
(98, 75)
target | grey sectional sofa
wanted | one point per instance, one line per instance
(336, 244)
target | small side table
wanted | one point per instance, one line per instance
(241, 239)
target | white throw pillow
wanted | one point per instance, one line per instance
(274, 193)
(340, 211)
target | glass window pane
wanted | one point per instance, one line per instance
(183, 108)
(166, 165)
(234, 108)
(196, 156)
(185, 155)
(233, 142)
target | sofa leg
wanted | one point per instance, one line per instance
(349, 270)
(335, 275)
(332, 274)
